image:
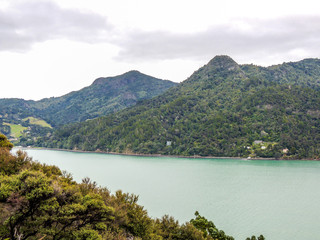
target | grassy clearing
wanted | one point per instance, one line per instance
(36, 121)
(16, 130)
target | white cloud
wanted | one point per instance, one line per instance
(50, 47)
(23, 24)
(252, 38)
(27, 23)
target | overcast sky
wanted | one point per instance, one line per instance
(51, 47)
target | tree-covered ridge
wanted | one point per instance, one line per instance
(105, 95)
(38, 201)
(223, 109)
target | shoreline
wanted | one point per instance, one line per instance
(160, 155)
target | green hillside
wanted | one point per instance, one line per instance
(104, 96)
(36, 121)
(15, 130)
(223, 109)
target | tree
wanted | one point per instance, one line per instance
(5, 143)
(37, 205)
(208, 228)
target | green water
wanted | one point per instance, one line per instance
(279, 199)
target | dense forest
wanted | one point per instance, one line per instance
(103, 96)
(39, 201)
(223, 109)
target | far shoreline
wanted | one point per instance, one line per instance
(161, 155)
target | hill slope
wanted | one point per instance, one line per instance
(223, 109)
(104, 96)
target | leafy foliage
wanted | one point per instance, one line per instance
(223, 109)
(208, 228)
(5, 143)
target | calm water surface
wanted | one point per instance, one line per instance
(280, 199)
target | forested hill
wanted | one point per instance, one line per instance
(223, 109)
(24, 121)
(105, 95)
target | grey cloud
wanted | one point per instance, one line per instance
(22, 25)
(278, 36)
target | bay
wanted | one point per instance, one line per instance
(279, 199)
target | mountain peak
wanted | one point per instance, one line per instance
(223, 62)
(133, 71)
(131, 74)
